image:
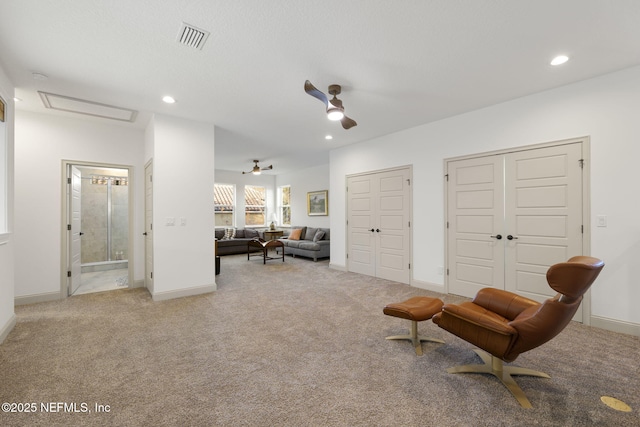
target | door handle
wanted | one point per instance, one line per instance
(81, 233)
(372, 230)
(510, 237)
(144, 234)
(377, 230)
(497, 236)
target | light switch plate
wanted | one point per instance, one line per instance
(601, 220)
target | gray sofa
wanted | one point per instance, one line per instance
(307, 246)
(238, 244)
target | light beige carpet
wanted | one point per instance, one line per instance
(290, 344)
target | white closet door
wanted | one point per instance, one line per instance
(392, 226)
(543, 215)
(511, 216)
(361, 210)
(378, 228)
(475, 225)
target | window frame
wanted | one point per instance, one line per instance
(4, 169)
(255, 208)
(282, 206)
(232, 206)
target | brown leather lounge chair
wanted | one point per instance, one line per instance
(504, 324)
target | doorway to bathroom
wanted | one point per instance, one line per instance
(97, 231)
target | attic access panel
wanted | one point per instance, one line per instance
(89, 108)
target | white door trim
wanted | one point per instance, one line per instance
(64, 247)
(586, 201)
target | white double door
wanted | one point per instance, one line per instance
(378, 227)
(511, 216)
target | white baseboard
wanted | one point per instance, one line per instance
(337, 267)
(616, 325)
(138, 284)
(428, 286)
(180, 293)
(36, 298)
(7, 328)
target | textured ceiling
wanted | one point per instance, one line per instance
(402, 63)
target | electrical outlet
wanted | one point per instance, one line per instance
(601, 220)
(183, 221)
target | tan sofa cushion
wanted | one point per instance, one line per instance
(295, 234)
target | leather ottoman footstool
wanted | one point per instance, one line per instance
(416, 310)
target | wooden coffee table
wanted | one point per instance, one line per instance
(264, 245)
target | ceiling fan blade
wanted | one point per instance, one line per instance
(336, 102)
(348, 123)
(268, 168)
(311, 90)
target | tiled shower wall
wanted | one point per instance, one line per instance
(94, 217)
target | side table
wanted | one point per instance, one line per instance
(273, 235)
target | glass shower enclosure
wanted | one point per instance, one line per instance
(104, 218)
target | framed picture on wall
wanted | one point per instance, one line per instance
(318, 203)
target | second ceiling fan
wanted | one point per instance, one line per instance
(335, 110)
(257, 169)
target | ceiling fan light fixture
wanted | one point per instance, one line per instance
(335, 114)
(334, 108)
(257, 170)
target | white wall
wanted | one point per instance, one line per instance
(302, 182)
(605, 108)
(7, 315)
(183, 178)
(240, 180)
(42, 141)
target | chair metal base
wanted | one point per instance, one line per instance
(494, 366)
(415, 338)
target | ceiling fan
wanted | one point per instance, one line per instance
(257, 169)
(335, 110)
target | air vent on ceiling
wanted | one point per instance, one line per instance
(192, 36)
(89, 108)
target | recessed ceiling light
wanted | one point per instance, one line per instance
(328, 137)
(559, 60)
(168, 99)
